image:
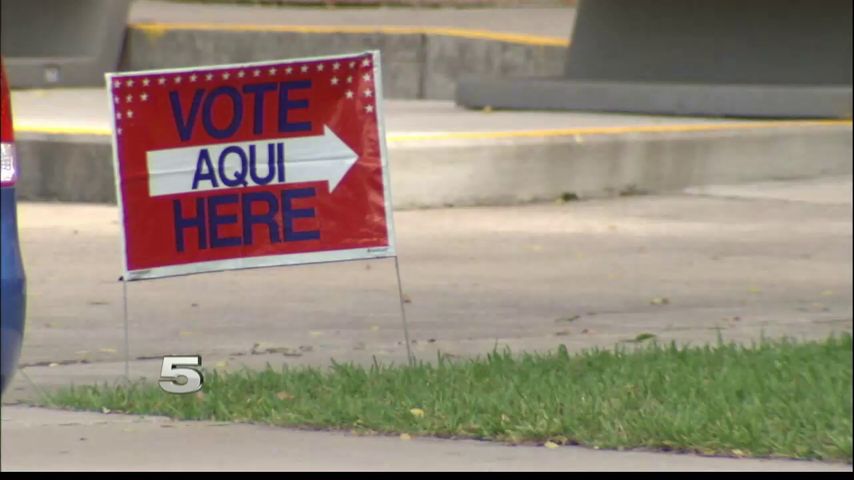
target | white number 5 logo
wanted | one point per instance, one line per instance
(176, 367)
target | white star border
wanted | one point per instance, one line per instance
(339, 72)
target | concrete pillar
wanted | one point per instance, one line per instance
(745, 58)
(47, 43)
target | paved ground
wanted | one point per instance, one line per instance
(740, 262)
(556, 22)
(37, 439)
(772, 259)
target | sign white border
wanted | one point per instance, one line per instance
(266, 260)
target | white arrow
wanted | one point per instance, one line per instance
(306, 159)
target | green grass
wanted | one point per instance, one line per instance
(771, 399)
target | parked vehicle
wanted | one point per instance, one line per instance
(13, 296)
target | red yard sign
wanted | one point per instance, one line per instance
(251, 165)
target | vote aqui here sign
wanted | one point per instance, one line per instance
(251, 165)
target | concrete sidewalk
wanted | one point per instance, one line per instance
(47, 440)
(769, 260)
(764, 259)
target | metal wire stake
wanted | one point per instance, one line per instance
(127, 341)
(44, 396)
(403, 312)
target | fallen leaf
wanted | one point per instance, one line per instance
(105, 410)
(288, 352)
(562, 333)
(200, 396)
(315, 333)
(505, 418)
(259, 348)
(52, 364)
(644, 336)
(550, 444)
(405, 436)
(570, 318)
(417, 412)
(738, 453)
(221, 364)
(185, 333)
(107, 350)
(284, 396)
(660, 301)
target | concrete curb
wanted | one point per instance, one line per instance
(487, 168)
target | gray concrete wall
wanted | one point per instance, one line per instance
(508, 172)
(441, 173)
(69, 168)
(449, 58)
(415, 65)
(765, 42)
(182, 48)
(667, 98)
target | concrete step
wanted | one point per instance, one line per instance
(442, 155)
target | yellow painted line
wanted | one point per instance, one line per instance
(580, 131)
(155, 30)
(60, 129)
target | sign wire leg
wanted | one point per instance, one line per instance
(44, 396)
(403, 312)
(127, 341)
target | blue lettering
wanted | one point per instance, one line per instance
(259, 90)
(197, 222)
(250, 219)
(216, 220)
(236, 112)
(185, 127)
(239, 175)
(289, 213)
(271, 169)
(280, 161)
(285, 105)
(204, 161)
